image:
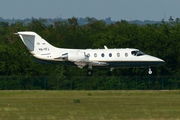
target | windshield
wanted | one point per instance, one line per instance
(137, 53)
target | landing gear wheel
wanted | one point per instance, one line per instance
(89, 72)
(150, 71)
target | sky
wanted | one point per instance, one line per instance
(100, 9)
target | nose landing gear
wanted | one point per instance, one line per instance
(150, 71)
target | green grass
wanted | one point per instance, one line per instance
(94, 105)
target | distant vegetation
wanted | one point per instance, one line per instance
(81, 21)
(159, 39)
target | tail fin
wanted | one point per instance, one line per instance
(35, 43)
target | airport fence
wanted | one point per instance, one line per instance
(90, 83)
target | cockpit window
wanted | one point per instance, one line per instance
(137, 53)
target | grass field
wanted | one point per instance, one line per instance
(94, 105)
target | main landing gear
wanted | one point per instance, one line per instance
(89, 72)
(150, 71)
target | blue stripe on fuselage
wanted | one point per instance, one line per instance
(111, 64)
(135, 63)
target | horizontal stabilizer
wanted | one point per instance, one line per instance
(25, 33)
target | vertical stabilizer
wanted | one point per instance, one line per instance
(35, 43)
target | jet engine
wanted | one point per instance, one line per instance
(76, 56)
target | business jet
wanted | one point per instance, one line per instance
(44, 52)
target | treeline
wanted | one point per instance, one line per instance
(81, 21)
(90, 83)
(161, 40)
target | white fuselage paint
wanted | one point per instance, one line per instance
(42, 50)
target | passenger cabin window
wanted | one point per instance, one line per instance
(126, 54)
(95, 54)
(137, 53)
(118, 54)
(102, 55)
(110, 54)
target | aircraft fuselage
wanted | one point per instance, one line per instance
(44, 52)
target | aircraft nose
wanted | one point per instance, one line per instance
(161, 61)
(156, 60)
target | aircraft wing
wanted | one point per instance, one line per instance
(63, 56)
(81, 64)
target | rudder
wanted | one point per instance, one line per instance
(35, 44)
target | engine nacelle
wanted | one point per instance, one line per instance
(76, 56)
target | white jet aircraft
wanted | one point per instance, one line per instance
(44, 52)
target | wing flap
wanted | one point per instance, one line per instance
(81, 64)
(63, 56)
